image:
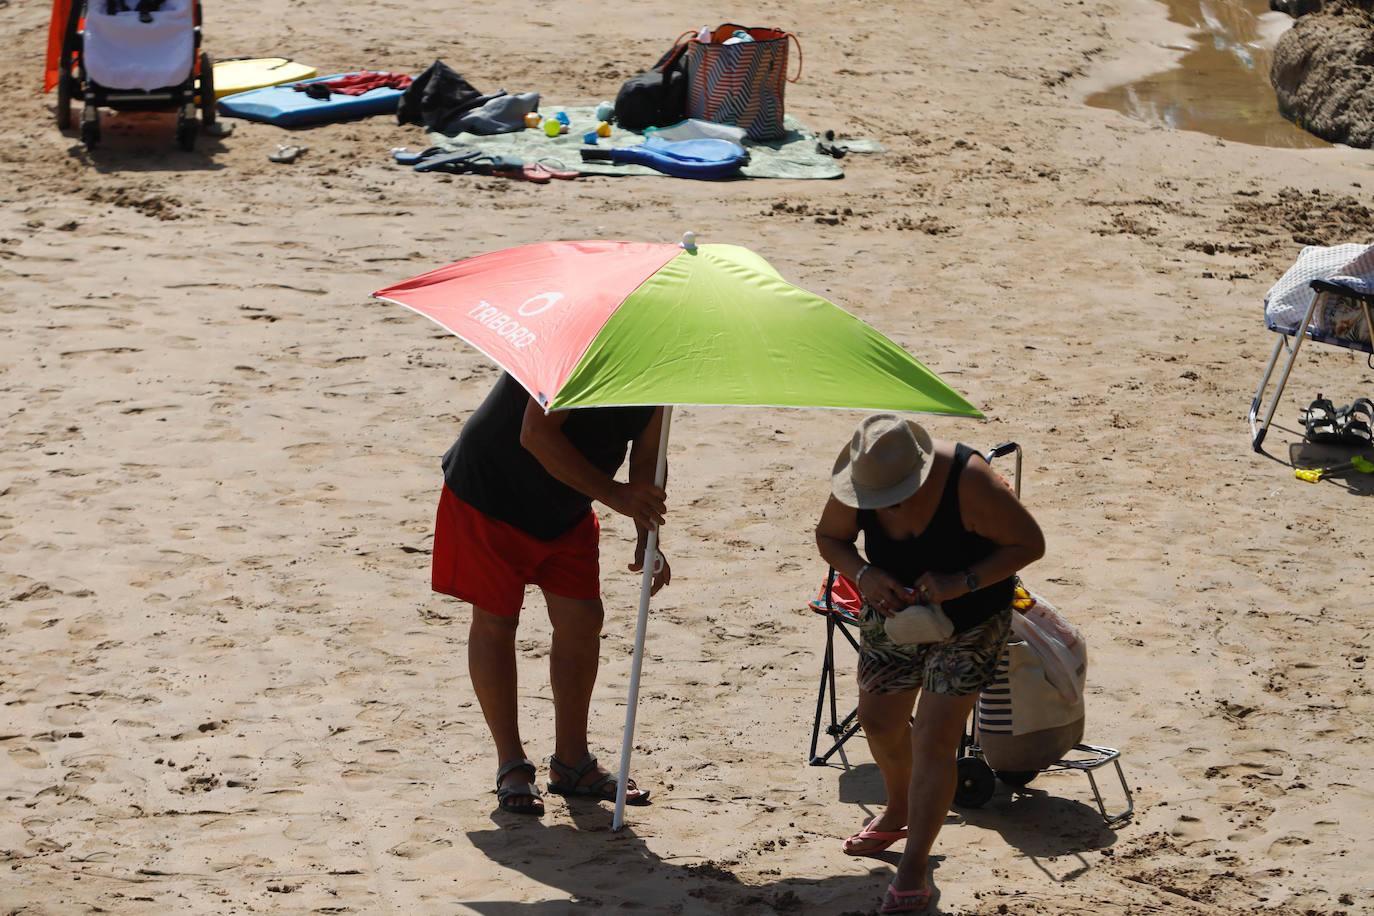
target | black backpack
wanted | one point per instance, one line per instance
(657, 97)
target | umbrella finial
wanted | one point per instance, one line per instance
(689, 240)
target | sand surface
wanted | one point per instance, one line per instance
(227, 687)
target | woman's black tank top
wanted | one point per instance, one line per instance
(945, 546)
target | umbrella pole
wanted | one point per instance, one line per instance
(645, 585)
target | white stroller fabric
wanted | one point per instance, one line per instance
(1287, 301)
(123, 52)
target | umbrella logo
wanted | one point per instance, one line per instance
(549, 300)
(519, 336)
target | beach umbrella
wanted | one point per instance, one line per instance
(618, 323)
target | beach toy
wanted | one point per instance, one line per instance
(562, 118)
(590, 137)
(603, 130)
(531, 119)
(604, 111)
(552, 128)
(1312, 475)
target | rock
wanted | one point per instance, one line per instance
(1323, 71)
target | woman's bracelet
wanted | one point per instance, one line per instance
(859, 578)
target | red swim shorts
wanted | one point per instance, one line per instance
(489, 562)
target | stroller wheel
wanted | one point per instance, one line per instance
(1017, 779)
(90, 126)
(976, 783)
(207, 90)
(64, 101)
(187, 127)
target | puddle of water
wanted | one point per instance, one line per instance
(1220, 86)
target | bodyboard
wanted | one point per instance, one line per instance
(235, 76)
(284, 106)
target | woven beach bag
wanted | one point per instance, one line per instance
(741, 83)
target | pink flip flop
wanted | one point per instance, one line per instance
(555, 168)
(884, 839)
(895, 901)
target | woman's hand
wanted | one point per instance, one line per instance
(937, 588)
(885, 593)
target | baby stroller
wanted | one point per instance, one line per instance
(142, 57)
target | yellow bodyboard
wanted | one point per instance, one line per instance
(233, 76)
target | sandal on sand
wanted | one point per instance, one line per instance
(522, 798)
(895, 901)
(1357, 421)
(1323, 422)
(570, 782)
(880, 838)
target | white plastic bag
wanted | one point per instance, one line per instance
(1061, 649)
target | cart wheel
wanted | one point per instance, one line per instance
(1017, 779)
(90, 126)
(187, 127)
(976, 783)
(207, 90)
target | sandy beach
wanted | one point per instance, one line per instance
(227, 687)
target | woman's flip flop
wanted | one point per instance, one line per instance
(880, 840)
(895, 901)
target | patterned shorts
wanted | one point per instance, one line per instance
(961, 665)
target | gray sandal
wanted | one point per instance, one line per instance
(570, 783)
(508, 798)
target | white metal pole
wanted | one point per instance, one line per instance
(645, 586)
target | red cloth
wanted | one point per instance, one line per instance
(358, 83)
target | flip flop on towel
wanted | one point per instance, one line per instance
(526, 171)
(405, 156)
(454, 161)
(556, 168)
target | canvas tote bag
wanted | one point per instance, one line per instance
(741, 84)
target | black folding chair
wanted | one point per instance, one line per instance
(838, 619)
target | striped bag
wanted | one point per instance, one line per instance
(740, 83)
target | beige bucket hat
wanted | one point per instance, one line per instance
(885, 462)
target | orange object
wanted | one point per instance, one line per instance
(531, 119)
(57, 29)
(603, 129)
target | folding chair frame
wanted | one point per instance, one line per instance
(1323, 289)
(836, 619)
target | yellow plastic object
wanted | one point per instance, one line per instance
(233, 76)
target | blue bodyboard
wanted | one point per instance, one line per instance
(701, 158)
(284, 106)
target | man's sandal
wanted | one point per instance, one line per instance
(895, 901)
(570, 783)
(521, 798)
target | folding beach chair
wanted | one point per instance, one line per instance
(1328, 294)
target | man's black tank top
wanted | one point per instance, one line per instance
(490, 470)
(945, 546)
